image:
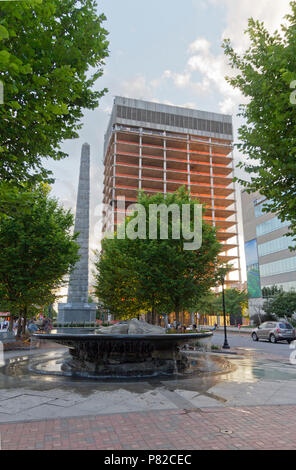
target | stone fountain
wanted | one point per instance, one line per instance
(126, 349)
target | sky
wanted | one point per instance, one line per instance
(166, 51)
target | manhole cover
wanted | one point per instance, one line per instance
(226, 431)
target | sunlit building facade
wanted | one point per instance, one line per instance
(158, 148)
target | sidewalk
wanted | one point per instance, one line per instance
(258, 428)
(233, 329)
(250, 405)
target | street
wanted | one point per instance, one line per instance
(242, 340)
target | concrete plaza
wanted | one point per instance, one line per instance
(250, 405)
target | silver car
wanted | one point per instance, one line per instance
(274, 331)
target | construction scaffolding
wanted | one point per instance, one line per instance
(156, 157)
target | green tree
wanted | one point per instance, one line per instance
(37, 249)
(207, 304)
(234, 302)
(263, 74)
(51, 54)
(268, 292)
(49, 311)
(281, 305)
(117, 283)
(157, 274)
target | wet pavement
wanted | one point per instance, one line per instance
(243, 400)
(27, 395)
(224, 381)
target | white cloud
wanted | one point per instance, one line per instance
(180, 79)
(227, 105)
(213, 70)
(200, 45)
(205, 71)
(138, 87)
(238, 13)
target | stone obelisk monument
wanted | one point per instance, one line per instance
(77, 309)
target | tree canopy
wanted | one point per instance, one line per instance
(51, 54)
(211, 303)
(234, 302)
(268, 292)
(264, 74)
(283, 304)
(157, 274)
(37, 249)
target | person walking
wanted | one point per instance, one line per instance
(32, 327)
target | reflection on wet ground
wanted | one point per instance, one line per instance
(45, 372)
(250, 370)
(206, 370)
(31, 387)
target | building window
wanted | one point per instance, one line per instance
(270, 226)
(276, 245)
(282, 266)
(258, 207)
(175, 120)
(286, 286)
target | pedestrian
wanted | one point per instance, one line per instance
(32, 327)
(15, 325)
(48, 327)
(45, 325)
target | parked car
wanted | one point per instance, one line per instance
(274, 331)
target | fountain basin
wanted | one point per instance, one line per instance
(125, 355)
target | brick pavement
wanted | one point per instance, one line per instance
(258, 428)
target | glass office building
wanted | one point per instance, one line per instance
(267, 234)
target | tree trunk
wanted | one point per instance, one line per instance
(24, 321)
(177, 312)
(166, 321)
(10, 328)
(153, 313)
(19, 327)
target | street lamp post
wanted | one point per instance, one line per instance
(225, 345)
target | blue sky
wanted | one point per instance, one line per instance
(167, 51)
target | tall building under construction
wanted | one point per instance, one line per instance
(158, 148)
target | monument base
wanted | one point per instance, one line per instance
(77, 313)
